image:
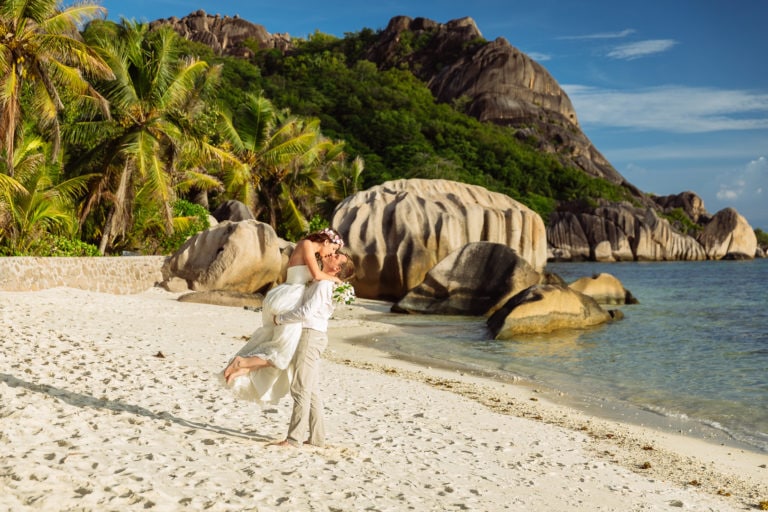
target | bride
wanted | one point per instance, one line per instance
(270, 348)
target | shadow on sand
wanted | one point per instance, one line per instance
(80, 400)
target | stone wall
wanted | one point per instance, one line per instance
(108, 274)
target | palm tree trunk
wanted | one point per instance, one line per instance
(10, 117)
(107, 232)
(270, 200)
(117, 214)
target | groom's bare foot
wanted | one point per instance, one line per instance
(282, 444)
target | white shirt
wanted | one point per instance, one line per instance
(316, 308)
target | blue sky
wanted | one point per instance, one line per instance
(674, 93)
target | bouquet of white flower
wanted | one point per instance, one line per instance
(344, 294)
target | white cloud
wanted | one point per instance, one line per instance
(747, 184)
(639, 49)
(539, 57)
(728, 195)
(744, 191)
(603, 35)
(671, 108)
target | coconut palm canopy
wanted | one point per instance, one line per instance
(43, 56)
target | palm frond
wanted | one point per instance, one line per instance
(293, 219)
(9, 185)
(72, 19)
(183, 83)
(255, 120)
(198, 180)
(229, 133)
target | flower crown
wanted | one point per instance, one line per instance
(334, 236)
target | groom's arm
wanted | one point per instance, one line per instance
(320, 295)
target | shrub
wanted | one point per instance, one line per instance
(762, 238)
(188, 220)
(48, 244)
(680, 220)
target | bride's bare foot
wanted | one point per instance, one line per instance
(235, 374)
(233, 365)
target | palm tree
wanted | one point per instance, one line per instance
(249, 139)
(290, 190)
(285, 158)
(154, 99)
(318, 181)
(36, 201)
(43, 55)
(346, 178)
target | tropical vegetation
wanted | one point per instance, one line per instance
(121, 138)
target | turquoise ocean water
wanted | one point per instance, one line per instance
(691, 357)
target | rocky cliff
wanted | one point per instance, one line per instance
(623, 232)
(225, 35)
(500, 83)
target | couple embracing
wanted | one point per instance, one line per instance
(284, 354)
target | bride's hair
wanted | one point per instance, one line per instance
(326, 235)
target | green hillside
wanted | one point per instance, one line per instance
(391, 120)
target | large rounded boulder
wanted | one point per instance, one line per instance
(546, 308)
(232, 210)
(473, 280)
(398, 231)
(728, 236)
(233, 256)
(604, 288)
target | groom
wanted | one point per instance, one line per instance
(316, 308)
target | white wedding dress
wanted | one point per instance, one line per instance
(273, 343)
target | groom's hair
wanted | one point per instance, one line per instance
(347, 271)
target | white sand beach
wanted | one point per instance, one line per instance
(111, 402)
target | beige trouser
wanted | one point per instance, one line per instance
(307, 403)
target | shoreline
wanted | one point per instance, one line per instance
(643, 449)
(708, 447)
(111, 402)
(601, 407)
